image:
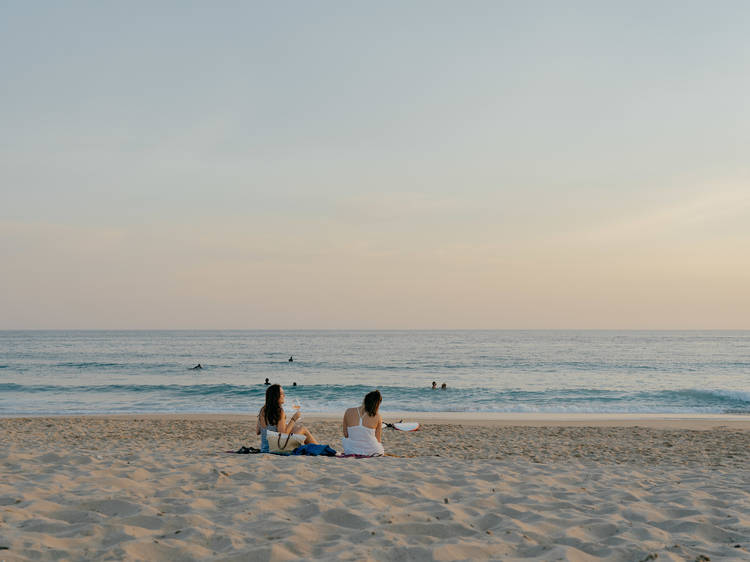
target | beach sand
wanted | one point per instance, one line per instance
(462, 488)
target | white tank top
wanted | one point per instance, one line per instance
(361, 440)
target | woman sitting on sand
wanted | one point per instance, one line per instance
(272, 416)
(363, 427)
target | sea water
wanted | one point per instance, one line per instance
(84, 372)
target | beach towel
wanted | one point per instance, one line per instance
(353, 456)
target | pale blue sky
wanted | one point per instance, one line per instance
(375, 165)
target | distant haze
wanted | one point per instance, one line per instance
(375, 165)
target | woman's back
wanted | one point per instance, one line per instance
(353, 417)
(361, 432)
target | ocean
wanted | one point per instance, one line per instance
(103, 372)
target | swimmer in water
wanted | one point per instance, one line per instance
(434, 385)
(291, 358)
(196, 368)
(267, 382)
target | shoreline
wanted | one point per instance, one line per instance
(740, 422)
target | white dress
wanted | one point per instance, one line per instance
(361, 440)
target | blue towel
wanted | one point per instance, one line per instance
(314, 449)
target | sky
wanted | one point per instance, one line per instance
(375, 165)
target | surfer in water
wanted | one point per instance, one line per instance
(198, 367)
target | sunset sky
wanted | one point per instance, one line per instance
(302, 165)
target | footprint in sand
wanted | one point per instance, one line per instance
(345, 518)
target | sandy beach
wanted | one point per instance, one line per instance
(462, 488)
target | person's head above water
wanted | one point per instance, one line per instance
(274, 400)
(372, 402)
(434, 384)
(294, 384)
(267, 381)
(443, 386)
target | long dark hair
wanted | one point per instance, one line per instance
(272, 409)
(372, 402)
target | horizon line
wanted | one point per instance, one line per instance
(374, 329)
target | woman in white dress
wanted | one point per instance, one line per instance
(363, 427)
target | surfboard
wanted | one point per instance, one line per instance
(403, 426)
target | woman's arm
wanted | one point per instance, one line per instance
(379, 428)
(287, 427)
